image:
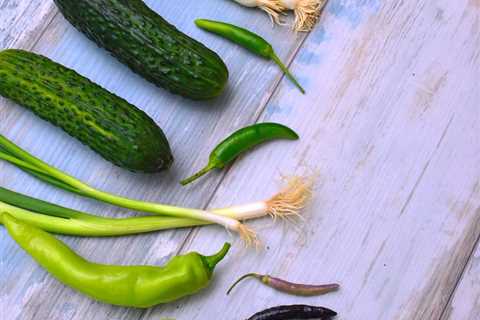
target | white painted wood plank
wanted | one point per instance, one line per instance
(391, 124)
(465, 303)
(19, 21)
(192, 127)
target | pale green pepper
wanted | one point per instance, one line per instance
(132, 286)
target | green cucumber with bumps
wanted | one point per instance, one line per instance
(114, 128)
(149, 45)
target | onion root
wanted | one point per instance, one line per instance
(306, 12)
(292, 199)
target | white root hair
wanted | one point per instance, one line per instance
(286, 205)
(248, 236)
(273, 8)
(306, 12)
(290, 201)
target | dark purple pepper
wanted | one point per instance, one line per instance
(296, 311)
(289, 287)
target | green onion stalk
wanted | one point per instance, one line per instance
(285, 204)
(57, 219)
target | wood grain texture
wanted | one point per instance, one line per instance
(465, 303)
(389, 124)
(20, 25)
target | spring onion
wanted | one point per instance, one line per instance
(57, 219)
(285, 204)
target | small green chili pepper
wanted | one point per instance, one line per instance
(131, 286)
(241, 141)
(247, 39)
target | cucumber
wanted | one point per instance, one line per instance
(117, 130)
(149, 45)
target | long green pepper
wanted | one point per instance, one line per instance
(249, 40)
(130, 286)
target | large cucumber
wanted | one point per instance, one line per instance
(149, 45)
(117, 130)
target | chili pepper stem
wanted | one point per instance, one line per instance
(213, 260)
(248, 275)
(285, 70)
(197, 175)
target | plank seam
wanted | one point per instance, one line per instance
(40, 36)
(420, 177)
(444, 314)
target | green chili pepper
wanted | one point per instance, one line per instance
(241, 141)
(247, 39)
(132, 286)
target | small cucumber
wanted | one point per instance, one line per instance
(117, 130)
(149, 45)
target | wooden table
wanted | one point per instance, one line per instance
(390, 123)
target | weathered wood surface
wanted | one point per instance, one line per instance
(465, 303)
(390, 125)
